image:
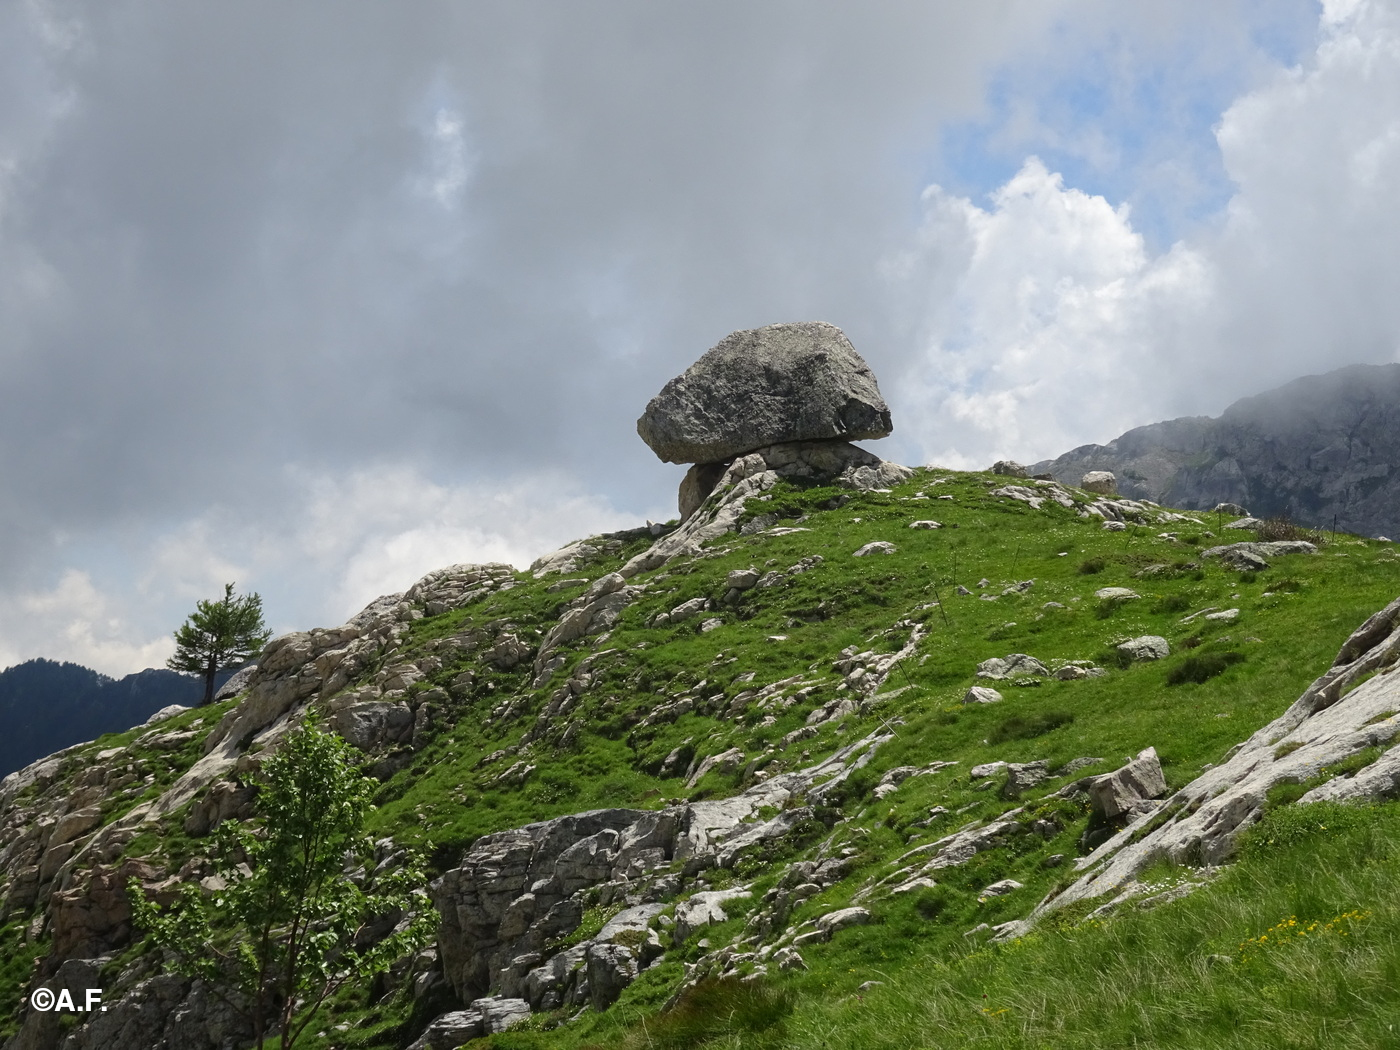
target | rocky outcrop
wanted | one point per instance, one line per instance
(766, 386)
(518, 895)
(1319, 450)
(751, 475)
(1348, 710)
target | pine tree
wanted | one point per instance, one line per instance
(219, 635)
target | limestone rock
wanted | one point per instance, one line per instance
(1102, 482)
(1346, 710)
(239, 682)
(1119, 792)
(823, 462)
(1010, 468)
(981, 694)
(1145, 647)
(876, 547)
(1116, 594)
(839, 920)
(1022, 776)
(766, 386)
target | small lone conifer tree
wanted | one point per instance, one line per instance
(218, 635)
(288, 928)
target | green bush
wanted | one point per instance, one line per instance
(1092, 566)
(713, 1009)
(1201, 667)
(1027, 727)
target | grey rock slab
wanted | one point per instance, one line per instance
(839, 920)
(1116, 594)
(704, 909)
(1001, 888)
(876, 547)
(766, 386)
(1145, 647)
(981, 694)
(825, 462)
(1116, 793)
(1102, 482)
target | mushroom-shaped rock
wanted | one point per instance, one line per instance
(766, 386)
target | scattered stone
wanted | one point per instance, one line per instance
(1230, 508)
(1101, 482)
(981, 694)
(1022, 776)
(986, 769)
(1145, 647)
(1114, 526)
(877, 547)
(1001, 888)
(1010, 468)
(1013, 665)
(170, 711)
(1244, 523)
(1116, 594)
(789, 959)
(925, 525)
(961, 590)
(742, 579)
(839, 920)
(766, 386)
(1225, 615)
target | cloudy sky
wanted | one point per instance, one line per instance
(320, 296)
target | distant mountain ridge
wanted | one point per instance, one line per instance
(1320, 450)
(46, 705)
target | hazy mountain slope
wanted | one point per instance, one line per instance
(46, 706)
(1320, 449)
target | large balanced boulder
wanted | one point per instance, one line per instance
(766, 386)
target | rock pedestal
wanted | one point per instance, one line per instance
(777, 385)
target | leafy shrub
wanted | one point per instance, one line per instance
(931, 903)
(1027, 727)
(1280, 528)
(1201, 667)
(1092, 566)
(713, 1009)
(1172, 603)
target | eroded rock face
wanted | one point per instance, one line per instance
(516, 894)
(1309, 450)
(1327, 724)
(825, 462)
(765, 386)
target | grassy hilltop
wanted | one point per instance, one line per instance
(1293, 945)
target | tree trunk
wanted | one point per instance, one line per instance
(209, 672)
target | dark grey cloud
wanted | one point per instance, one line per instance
(262, 261)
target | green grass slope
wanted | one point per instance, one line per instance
(1177, 975)
(1219, 967)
